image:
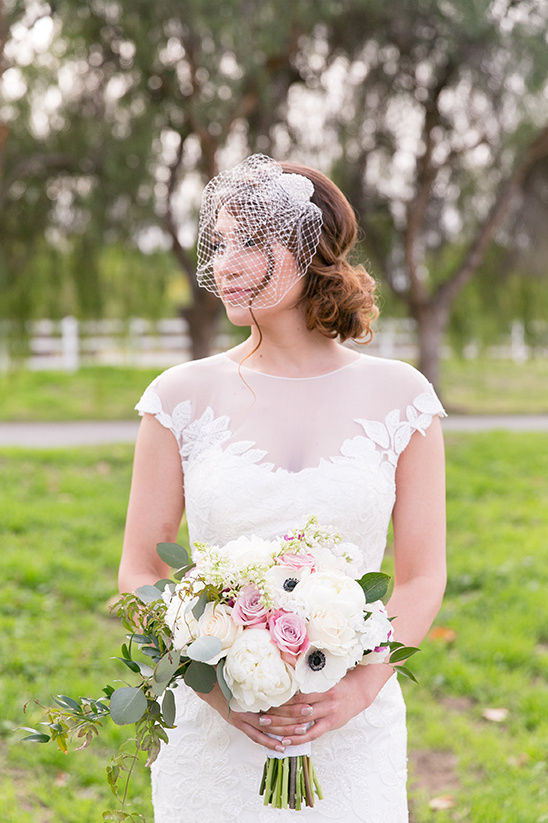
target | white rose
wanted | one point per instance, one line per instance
(250, 550)
(326, 590)
(256, 674)
(216, 621)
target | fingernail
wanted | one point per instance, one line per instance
(286, 741)
(280, 749)
(307, 711)
(301, 729)
(264, 721)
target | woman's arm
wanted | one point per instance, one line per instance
(156, 505)
(419, 583)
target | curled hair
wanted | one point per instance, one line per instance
(339, 298)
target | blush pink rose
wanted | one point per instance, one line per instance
(297, 561)
(288, 631)
(248, 609)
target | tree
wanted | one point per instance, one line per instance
(442, 116)
(151, 100)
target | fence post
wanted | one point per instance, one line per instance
(70, 345)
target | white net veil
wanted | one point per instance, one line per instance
(258, 232)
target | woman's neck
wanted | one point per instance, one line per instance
(291, 352)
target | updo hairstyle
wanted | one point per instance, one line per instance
(339, 298)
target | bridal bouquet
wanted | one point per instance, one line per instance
(263, 619)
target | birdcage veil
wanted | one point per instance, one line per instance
(250, 217)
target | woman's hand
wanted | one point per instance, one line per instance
(249, 723)
(306, 717)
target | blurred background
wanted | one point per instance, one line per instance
(432, 117)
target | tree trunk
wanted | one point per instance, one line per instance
(203, 318)
(432, 319)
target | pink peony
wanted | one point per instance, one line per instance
(297, 561)
(288, 631)
(248, 609)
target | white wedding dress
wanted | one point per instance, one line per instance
(260, 453)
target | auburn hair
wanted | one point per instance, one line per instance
(339, 298)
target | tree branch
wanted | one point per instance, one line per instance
(536, 150)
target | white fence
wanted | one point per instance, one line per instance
(68, 344)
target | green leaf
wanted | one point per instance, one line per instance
(180, 573)
(164, 671)
(127, 705)
(200, 677)
(403, 654)
(204, 648)
(67, 702)
(148, 594)
(407, 673)
(161, 584)
(199, 608)
(131, 664)
(221, 680)
(173, 554)
(36, 737)
(168, 707)
(374, 585)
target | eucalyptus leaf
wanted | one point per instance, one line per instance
(127, 705)
(204, 648)
(164, 671)
(148, 594)
(161, 584)
(374, 585)
(150, 651)
(173, 554)
(168, 707)
(222, 682)
(145, 670)
(180, 573)
(200, 677)
(199, 608)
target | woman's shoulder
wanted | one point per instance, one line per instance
(397, 384)
(183, 383)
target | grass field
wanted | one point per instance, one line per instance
(468, 387)
(61, 521)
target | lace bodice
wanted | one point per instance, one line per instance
(260, 453)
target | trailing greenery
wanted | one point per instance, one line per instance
(61, 522)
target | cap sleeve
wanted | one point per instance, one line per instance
(160, 400)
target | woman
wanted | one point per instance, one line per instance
(286, 424)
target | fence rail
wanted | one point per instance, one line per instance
(68, 344)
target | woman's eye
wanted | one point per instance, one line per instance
(249, 242)
(218, 247)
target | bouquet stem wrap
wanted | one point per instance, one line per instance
(289, 780)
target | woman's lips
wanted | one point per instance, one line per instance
(236, 294)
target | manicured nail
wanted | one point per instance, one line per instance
(264, 721)
(307, 711)
(301, 729)
(280, 749)
(286, 741)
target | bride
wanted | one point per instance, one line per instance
(287, 424)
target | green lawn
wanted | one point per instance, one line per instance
(61, 522)
(468, 387)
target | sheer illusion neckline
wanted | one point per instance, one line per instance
(294, 379)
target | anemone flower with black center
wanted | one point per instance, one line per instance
(318, 670)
